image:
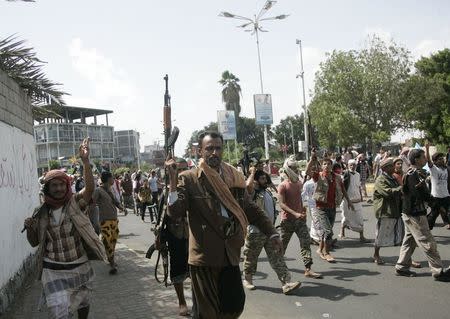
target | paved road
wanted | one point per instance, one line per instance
(354, 287)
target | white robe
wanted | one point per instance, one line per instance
(353, 219)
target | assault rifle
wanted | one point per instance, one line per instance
(170, 137)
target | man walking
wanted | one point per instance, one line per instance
(145, 200)
(328, 195)
(126, 185)
(293, 215)
(177, 242)
(309, 187)
(352, 219)
(109, 224)
(255, 241)
(154, 182)
(417, 231)
(218, 214)
(362, 167)
(65, 238)
(439, 188)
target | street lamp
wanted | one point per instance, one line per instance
(305, 110)
(292, 136)
(254, 26)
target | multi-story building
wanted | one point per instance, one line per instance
(58, 136)
(126, 146)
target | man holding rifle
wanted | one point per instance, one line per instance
(219, 212)
(66, 242)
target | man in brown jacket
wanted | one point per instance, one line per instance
(218, 214)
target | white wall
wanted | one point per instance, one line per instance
(19, 195)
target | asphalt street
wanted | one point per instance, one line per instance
(353, 287)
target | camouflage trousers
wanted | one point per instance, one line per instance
(298, 226)
(254, 243)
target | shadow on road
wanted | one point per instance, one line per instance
(320, 290)
(345, 274)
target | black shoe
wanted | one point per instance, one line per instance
(443, 276)
(405, 273)
(113, 271)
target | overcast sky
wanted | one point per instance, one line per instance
(114, 54)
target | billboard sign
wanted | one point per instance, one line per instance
(227, 124)
(263, 109)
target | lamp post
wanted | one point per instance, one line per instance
(254, 26)
(292, 136)
(305, 110)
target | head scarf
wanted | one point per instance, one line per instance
(288, 172)
(60, 175)
(386, 162)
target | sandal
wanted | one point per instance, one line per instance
(329, 258)
(378, 261)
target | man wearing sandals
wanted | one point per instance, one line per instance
(66, 242)
(293, 214)
(328, 195)
(353, 219)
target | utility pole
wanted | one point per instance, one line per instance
(254, 26)
(292, 136)
(304, 108)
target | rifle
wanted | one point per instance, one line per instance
(170, 137)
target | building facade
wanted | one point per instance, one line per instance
(59, 139)
(126, 146)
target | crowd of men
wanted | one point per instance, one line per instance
(214, 210)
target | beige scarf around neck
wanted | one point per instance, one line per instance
(232, 178)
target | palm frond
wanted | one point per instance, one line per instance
(22, 65)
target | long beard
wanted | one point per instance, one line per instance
(213, 161)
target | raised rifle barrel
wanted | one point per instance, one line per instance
(167, 119)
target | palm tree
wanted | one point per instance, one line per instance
(231, 92)
(22, 65)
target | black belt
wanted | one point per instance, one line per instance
(54, 266)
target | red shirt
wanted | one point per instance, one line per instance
(331, 194)
(292, 193)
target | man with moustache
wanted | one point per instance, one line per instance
(66, 242)
(255, 241)
(218, 212)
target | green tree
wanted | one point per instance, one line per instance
(358, 93)
(212, 126)
(231, 92)
(428, 95)
(54, 164)
(249, 133)
(284, 129)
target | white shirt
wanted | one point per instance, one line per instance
(439, 177)
(353, 189)
(308, 191)
(153, 183)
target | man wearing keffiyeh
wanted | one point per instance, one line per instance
(218, 212)
(66, 242)
(293, 214)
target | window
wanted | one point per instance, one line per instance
(94, 133)
(65, 132)
(80, 132)
(52, 132)
(107, 134)
(39, 134)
